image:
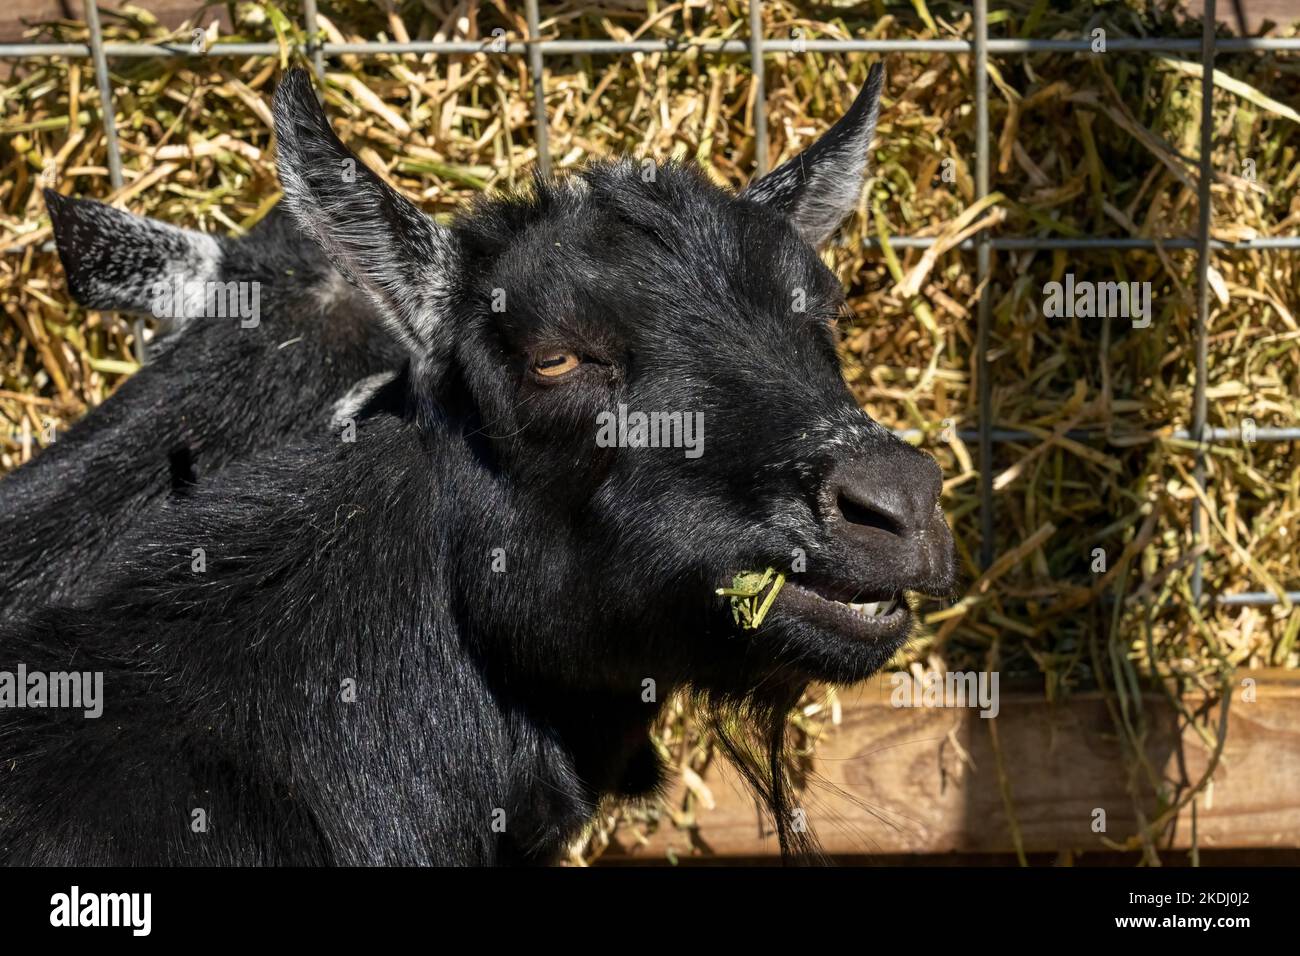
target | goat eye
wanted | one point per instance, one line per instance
(555, 364)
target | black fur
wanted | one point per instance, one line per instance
(212, 392)
(515, 695)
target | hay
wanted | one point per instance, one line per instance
(751, 597)
(1083, 145)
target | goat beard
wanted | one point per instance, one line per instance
(751, 733)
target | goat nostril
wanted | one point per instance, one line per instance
(859, 513)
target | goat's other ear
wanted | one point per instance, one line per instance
(817, 189)
(113, 259)
(377, 239)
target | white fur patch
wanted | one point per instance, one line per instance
(356, 397)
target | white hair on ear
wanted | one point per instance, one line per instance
(116, 260)
(820, 187)
(377, 239)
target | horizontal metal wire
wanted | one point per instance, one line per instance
(1234, 434)
(1019, 243)
(1212, 434)
(1255, 598)
(602, 47)
(1240, 599)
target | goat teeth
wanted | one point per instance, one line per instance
(875, 608)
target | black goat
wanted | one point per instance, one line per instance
(443, 643)
(221, 386)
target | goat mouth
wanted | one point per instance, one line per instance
(849, 612)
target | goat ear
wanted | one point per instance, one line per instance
(377, 239)
(113, 259)
(817, 189)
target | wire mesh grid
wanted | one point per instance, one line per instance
(980, 46)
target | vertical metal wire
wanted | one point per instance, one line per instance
(760, 86)
(105, 94)
(100, 60)
(539, 92)
(1200, 409)
(983, 267)
(313, 40)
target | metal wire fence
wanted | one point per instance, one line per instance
(980, 45)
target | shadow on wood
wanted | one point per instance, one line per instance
(894, 780)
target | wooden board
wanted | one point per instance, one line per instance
(17, 15)
(893, 780)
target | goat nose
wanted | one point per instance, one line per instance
(895, 491)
